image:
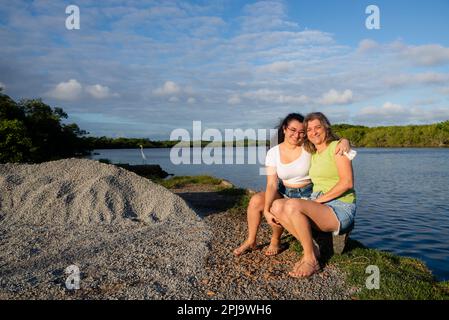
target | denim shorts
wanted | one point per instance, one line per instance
(298, 193)
(344, 211)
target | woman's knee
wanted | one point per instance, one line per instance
(257, 201)
(277, 207)
(292, 206)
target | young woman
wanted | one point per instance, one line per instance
(287, 167)
(334, 202)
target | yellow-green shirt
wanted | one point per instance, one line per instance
(324, 174)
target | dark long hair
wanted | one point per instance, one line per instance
(330, 135)
(283, 124)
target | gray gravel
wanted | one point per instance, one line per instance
(133, 239)
(256, 276)
(129, 237)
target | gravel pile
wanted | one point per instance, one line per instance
(130, 238)
(133, 239)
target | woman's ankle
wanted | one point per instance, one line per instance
(250, 242)
(310, 257)
(275, 241)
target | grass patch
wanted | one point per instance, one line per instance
(242, 197)
(293, 244)
(239, 197)
(182, 181)
(401, 278)
(103, 160)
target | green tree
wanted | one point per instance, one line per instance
(15, 146)
(32, 131)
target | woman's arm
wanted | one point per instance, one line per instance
(345, 183)
(270, 195)
(343, 146)
(272, 188)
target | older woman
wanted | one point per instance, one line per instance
(334, 202)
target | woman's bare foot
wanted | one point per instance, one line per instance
(297, 264)
(311, 266)
(274, 248)
(305, 268)
(245, 247)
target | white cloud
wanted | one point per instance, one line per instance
(275, 96)
(367, 45)
(391, 113)
(444, 90)
(189, 90)
(417, 78)
(191, 100)
(265, 15)
(298, 100)
(427, 55)
(73, 89)
(70, 90)
(100, 92)
(265, 95)
(261, 8)
(335, 97)
(234, 99)
(424, 102)
(388, 113)
(436, 114)
(432, 78)
(387, 109)
(277, 67)
(169, 88)
(165, 11)
(173, 99)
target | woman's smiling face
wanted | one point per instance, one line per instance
(316, 133)
(294, 132)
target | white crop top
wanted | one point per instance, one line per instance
(292, 173)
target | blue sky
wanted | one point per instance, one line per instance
(145, 68)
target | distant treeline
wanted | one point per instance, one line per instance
(432, 135)
(125, 143)
(130, 143)
(32, 131)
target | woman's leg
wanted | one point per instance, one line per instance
(275, 243)
(296, 216)
(254, 217)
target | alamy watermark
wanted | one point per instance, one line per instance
(73, 22)
(73, 280)
(372, 22)
(373, 281)
(215, 152)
